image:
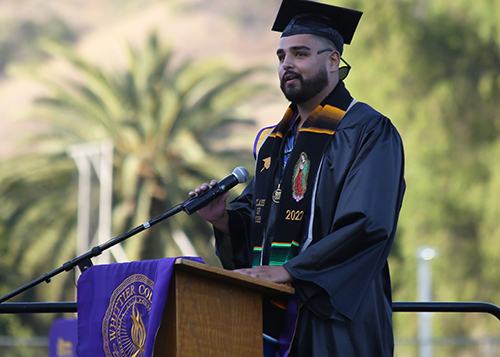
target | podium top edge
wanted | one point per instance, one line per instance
(263, 286)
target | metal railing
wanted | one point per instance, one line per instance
(433, 306)
(37, 307)
(397, 306)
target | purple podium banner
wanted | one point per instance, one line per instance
(63, 338)
(120, 307)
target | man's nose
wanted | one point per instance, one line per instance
(288, 62)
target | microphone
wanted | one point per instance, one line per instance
(239, 175)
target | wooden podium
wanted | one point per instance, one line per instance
(213, 312)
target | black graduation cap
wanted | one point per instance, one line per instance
(308, 17)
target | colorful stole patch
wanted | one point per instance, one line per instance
(299, 178)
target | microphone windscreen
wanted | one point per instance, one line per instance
(241, 174)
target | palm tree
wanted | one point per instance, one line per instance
(170, 129)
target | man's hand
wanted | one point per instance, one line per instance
(274, 274)
(215, 212)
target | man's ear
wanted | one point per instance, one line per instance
(334, 58)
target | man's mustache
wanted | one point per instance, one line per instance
(289, 75)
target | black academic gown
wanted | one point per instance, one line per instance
(342, 277)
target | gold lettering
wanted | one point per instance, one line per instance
(64, 348)
(116, 353)
(292, 215)
(112, 335)
(118, 301)
(146, 292)
(260, 202)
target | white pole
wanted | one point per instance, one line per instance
(83, 222)
(105, 206)
(424, 284)
(105, 198)
(100, 157)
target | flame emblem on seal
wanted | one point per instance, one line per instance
(138, 331)
(124, 326)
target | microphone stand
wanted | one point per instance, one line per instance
(84, 261)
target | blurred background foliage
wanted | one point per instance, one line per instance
(182, 108)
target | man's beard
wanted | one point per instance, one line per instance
(307, 89)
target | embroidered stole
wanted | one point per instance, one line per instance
(283, 195)
(289, 188)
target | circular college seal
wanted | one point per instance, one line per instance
(124, 325)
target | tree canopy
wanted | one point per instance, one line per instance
(434, 69)
(166, 124)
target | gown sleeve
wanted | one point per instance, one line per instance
(359, 195)
(234, 250)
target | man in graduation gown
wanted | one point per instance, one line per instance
(322, 209)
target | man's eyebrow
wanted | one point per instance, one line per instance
(294, 48)
(298, 48)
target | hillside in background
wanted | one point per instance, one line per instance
(99, 30)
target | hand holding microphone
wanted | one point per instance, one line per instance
(202, 196)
